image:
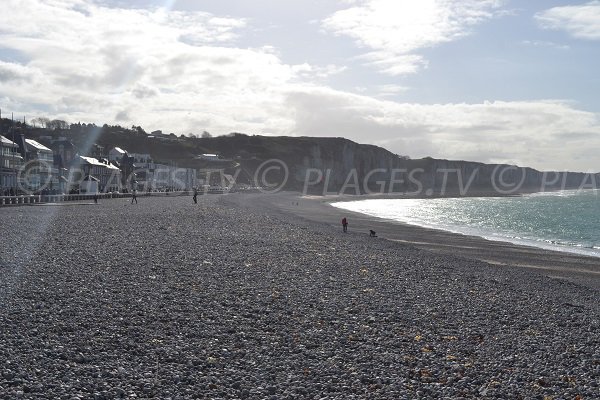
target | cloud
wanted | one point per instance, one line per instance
(310, 72)
(546, 134)
(83, 60)
(580, 21)
(122, 116)
(395, 30)
(80, 61)
(13, 73)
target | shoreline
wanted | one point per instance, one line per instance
(538, 243)
(570, 266)
(420, 195)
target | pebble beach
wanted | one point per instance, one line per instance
(232, 299)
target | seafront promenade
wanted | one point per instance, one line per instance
(61, 198)
(235, 298)
(56, 198)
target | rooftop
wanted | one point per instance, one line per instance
(37, 145)
(7, 142)
(93, 161)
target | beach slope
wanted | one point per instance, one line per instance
(229, 298)
(577, 268)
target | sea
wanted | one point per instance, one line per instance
(564, 220)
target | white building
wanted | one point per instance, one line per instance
(11, 162)
(154, 176)
(40, 171)
(142, 173)
(116, 154)
(107, 174)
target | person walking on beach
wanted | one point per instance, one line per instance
(195, 196)
(345, 224)
(134, 196)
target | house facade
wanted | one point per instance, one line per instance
(85, 169)
(11, 164)
(154, 176)
(140, 172)
(39, 172)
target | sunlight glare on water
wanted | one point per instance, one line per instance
(567, 220)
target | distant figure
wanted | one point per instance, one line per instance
(195, 196)
(372, 233)
(134, 196)
(96, 198)
(345, 224)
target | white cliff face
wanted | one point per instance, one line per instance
(342, 162)
(347, 162)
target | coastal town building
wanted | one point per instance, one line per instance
(39, 171)
(89, 185)
(11, 162)
(84, 170)
(37, 151)
(96, 151)
(155, 176)
(140, 172)
(140, 157)
(116, 154)
(64, 152)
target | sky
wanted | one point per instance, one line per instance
(500, 81)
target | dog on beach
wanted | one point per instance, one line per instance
(372, 233)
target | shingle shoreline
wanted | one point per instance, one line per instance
(167, 299)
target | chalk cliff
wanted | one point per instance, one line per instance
(331, 165)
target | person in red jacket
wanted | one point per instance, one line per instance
(345, 224)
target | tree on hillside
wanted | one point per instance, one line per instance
(206, 135)
(75, 127)
(57, 124)
(138, 129)
(41, 121)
